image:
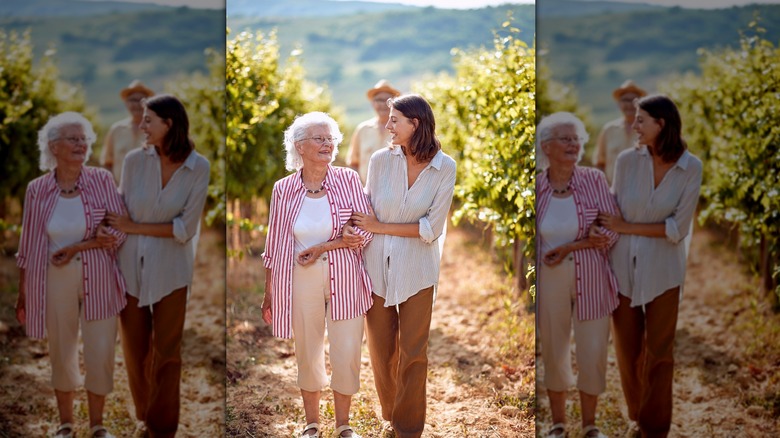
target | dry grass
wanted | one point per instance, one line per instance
(27, 405)
(727, 356)
(481, 365)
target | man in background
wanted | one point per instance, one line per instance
(617, 135)
(371, 135)
(125, 135)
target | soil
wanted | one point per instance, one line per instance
(481, 364)
(727, 356)
(27, 404)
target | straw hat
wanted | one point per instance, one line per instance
(628, 87)
(136, 87)
(381, 86)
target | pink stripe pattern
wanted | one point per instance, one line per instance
(104, 285)
(596, 283)
(350, 285)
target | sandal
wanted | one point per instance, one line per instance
(557, 426)
(309, 427)
(97, 429)
(65, 431)
(588, 429)
(344, 428)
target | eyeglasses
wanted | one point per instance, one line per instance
(320, 140)
(74, 140)
(567, 139)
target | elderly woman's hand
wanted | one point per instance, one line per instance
(555, 255)
(351, 238)
(21, 313)
(611, 222)
(596, 237)
(64, 255)
(266, 307)
(104, 238)
(118, 222)
(309, 255)
(366, 221)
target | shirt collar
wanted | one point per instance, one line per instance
(51, 181)
(682, 162)
(189, 162)
(436, 161)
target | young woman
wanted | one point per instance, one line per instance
(164, 186)
(410, 186)
(657, 188)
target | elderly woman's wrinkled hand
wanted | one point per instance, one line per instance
(63, 256)
(119, 222)
(554, 256)
(104, 238)
(611, 222)
(366, 221)
(351, 238)
(309, 255)
(596, 237)
(266, 307)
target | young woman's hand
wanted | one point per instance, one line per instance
(118, 222)
(366, 221)
(612, 222)
(351, 238)
(596, 237)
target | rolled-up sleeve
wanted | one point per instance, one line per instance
(432, 224)
(187, 223)
(678, 225)
(25, 241)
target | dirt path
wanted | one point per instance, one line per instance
(727, 356)
(481, 365)
(27, 405)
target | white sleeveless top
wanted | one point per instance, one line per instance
(559, 225)
(67, 224)
(314, 224)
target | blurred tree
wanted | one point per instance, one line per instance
(730, 114)
(486, 121)
(29, 96)
(204, 98)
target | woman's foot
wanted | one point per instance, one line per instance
(100, 432)
(557, 430)
(592, 431)
(65, 430)
(345, 431)
(311, 430)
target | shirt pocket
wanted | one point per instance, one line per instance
(590, 214)
(344, 213)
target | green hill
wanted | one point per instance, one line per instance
(103, 53)
(596, 53)
(351, 53)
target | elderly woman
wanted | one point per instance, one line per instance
(657, 188)
(576, 286)
(68, 268)
(313, 278)
(164, 186)
(410, 185)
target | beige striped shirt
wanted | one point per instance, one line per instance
(400, 267)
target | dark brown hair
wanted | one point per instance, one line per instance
(669, 144)
(177, 144)
(423, 145)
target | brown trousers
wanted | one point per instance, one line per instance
(644, 345)
(151, 341)
(398, 346)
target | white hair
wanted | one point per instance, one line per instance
(297, 132)
(546, 129)
(51, 132)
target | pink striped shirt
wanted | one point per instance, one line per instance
(350, 286)
(104, 285)
(596, 284)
